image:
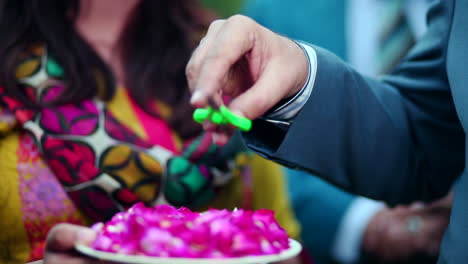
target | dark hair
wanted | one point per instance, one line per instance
(156, 45)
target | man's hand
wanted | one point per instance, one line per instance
(405, 233)
(61, 241)
(243, 60)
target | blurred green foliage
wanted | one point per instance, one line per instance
(224, 8)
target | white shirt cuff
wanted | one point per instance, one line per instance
(288, 111)
(346, 247)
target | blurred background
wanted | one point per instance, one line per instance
(224, 8)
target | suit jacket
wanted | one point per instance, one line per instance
(318, 206)
(398, 139)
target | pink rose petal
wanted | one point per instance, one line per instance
(165, 231)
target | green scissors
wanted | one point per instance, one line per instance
(222, 116)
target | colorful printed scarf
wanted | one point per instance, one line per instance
(102, 164)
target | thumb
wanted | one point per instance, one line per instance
(269, 89)
(64, 237)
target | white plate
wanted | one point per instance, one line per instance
(294, 249)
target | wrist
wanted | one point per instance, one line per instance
(303, 69)
(300, 89)
(371, 234)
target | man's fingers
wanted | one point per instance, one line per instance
(64, 237)
(193, 66)
(239, 53)
(275, 82)
(234, 39)
(263, 95)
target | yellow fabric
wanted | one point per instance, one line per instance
(27, 68)
(165, 112)
(14, 245)
(14, 242)
(123, 111)
(131, 175)
(4, 126)
(270, 192)
(163, 109)
(7, 122)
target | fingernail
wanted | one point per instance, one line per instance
(85, 236)
(196, 97)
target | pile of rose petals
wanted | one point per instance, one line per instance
(164, 231)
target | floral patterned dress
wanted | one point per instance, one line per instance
(83, 162)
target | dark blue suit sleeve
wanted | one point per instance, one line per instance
(397, 139)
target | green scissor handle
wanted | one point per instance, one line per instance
(222, 117)
(209, 113)
(242, 123)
